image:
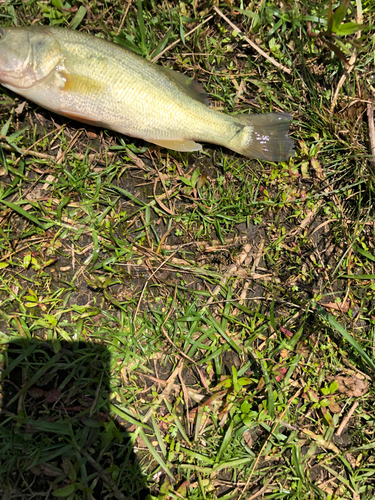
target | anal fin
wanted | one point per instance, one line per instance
(177, 145)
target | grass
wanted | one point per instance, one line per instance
(199, 325)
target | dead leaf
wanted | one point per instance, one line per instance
(286, 332)
(305, 169)
(280, 373)
(36, 194)
(311, 395)
(327, 489)
(182, 490)
(352, 460)
(318, 168)
(284, 353)
(248, 438)
(327, 416)
(53, 395)
(50, 470)
(19, 108)
(36, 392)
(351, 386)
(91, 134)
(36, 469)
(338, 306)
(334, 407)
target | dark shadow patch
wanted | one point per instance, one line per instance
(56, 431)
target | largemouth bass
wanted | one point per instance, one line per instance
(94, 81)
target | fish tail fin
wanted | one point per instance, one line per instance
(263, 136)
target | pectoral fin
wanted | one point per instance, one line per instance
(83, 86)
(80, 84)
(176, 145)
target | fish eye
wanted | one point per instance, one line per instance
(2, 33)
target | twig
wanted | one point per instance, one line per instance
(259, 255)
(342, 80)
(262, 490)
(124, 17)
(74, 139)
(154, 379)
(156, 58)
(252, 44)
(350, 64)
(159, 202)
(355, 369)
(27, 152)
(346, 419)
(177, 349)
(10, 254)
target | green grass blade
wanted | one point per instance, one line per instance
(78, 18)
(128, 417)
(215, 324)
(331, 320)
(368, 255)
(155, 454)
(358, 276)
(23, 213)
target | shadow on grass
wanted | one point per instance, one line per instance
(57, 438)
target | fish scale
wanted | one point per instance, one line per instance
(152, 105)
(89, 79)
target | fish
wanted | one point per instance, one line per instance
(89, 79)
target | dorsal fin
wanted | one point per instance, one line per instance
(186, 84)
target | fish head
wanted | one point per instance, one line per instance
(27, 56)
